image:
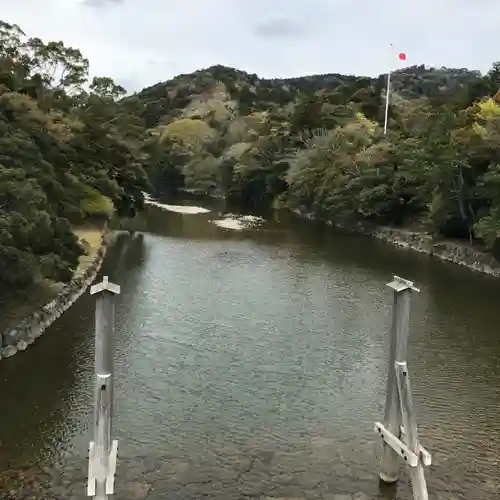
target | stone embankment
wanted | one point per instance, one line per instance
(19, 337)
(459, 253)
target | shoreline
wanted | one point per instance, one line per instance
(458, 253)
(455, 252)
(23, 333)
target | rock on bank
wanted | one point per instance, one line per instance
(19, 337)
(459, 253)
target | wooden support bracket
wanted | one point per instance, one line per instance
(398, 446)
(418, 482)
(91, 476)
(110, 478)
(105, 285)
(401, 449)
(425, 456)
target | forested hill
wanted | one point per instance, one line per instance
(168, 99)
(316, 144)
(74, 150)
(68, 153)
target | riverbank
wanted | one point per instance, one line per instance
(456, 252)
(29, 319)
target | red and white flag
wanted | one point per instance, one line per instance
(401, 55)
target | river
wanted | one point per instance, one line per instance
(253, 364)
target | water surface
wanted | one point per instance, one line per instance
(253, 364)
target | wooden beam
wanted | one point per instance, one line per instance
(110, 480)
(102, 459)
(398, 446)
(417, 476)
(425, 456)
(91, 476)
(402, 289)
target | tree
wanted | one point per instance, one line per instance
(315, 144)
(60, 67)
(65, 155)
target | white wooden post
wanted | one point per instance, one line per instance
(399, 431)
(102, 450)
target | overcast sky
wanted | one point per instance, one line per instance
(141, 42)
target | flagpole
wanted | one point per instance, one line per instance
(387, 101)
(402, 57)
(387, 94)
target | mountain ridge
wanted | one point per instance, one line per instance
(316, 144)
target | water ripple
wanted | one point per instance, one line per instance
(266, 354)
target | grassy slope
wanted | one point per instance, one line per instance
(92, 235)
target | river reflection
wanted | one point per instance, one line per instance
(253, 364)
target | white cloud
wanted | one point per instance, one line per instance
(148, 41)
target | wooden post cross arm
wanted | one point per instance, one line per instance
(106, 285)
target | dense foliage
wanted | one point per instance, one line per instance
(316, 144)
(73, 149)
(68, 151)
